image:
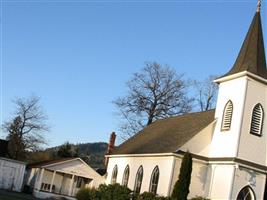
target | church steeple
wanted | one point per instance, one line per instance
(251, 57)
(258, 6)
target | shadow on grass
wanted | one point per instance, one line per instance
(10, 195)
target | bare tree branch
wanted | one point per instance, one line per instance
(25, 130)
(155, 92)
(206, 93)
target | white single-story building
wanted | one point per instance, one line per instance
(62, 177)
(11, 174)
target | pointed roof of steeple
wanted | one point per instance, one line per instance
(251, 56)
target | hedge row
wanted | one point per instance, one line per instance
(114, 192)
(118, 192)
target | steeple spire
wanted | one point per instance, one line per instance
(258, 6)
(251, 57)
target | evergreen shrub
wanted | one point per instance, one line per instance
(146, 196)
(114, 192)
(199, 198)
(151, 196)
(181, 187)
(88, 194)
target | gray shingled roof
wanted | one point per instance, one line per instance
(166, 135)
(251, 56)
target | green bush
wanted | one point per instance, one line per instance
(199, 198)
(163, 198)
(114, 192)
(118, 192)
(151, 196)
(88, 194)
(146, 196)
(105, 192)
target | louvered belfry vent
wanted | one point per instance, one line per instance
(257, 119)
(227, 116)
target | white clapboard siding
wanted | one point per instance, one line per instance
(11, 174)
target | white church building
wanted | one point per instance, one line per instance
(228, 144)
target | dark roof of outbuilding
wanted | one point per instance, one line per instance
(251, 56)
(49, 162)
(166, 135)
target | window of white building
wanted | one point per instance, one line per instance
(125, 177)
(227, 116)
(114, 175)
(246, 194)
(257, 120)
(154, 180)
(138, 180)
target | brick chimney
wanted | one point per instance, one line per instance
(111, 143)
(111, 146)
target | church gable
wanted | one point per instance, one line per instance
(200, 143)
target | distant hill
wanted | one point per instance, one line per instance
(91, 153)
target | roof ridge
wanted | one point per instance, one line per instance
(185, 114)
(51, 161)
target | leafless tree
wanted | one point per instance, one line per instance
(25, 130)
(156, 92)
(206, 93)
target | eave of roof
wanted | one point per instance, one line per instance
(49, 162)
(11, 160)
(166, 135)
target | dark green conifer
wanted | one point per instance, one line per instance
(181, 187)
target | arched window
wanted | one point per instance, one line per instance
(154, 180)
(125, 177)
(227, 116)
(138, 180)
(257, 120)
(114, 175)
(246, 194)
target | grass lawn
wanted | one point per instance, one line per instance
(8, 195)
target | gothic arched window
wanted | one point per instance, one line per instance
(227, 116)
(125, 177)
(246, 194)
(138, 180)
(114, 175)
(257, 120)
(154, 180)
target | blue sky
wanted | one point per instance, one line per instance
(77, 55)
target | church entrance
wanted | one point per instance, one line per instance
(246, 194)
